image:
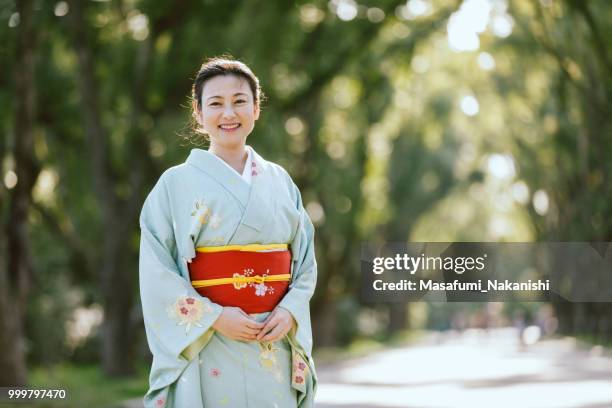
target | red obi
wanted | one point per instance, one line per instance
(250, 277)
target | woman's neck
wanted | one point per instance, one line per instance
(235, 158)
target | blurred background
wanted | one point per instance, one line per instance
(425, 120)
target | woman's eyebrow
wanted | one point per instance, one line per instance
(220, 97)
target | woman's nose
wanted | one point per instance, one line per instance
(228, 112)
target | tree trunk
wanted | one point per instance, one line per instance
(117, 344)
(12, 359)
(116, 283)
(16, 273)
(398, 317)
(324, 325)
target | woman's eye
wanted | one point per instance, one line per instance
(240, 101)
(215, 104)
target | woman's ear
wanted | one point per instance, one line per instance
(256, 111)
(197, 113)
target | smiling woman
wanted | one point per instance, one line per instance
(226, 97)
(227, 113)
(227, 265)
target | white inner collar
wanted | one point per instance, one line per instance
(246, 172)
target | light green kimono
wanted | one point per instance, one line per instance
(204, 202)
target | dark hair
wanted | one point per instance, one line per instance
(224, 66)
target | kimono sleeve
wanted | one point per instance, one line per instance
(304, 279)
(176, 317)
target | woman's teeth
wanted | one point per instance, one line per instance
(230, 127)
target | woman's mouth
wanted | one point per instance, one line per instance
(230, 127)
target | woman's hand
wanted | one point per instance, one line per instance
(237, 325)
(277, 325)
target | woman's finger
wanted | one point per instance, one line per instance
(250, 331)
(254, 325)
(241, 337)
(267, 328)
(270, 316)
(274, 335)
(249, 321)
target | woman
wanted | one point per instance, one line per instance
(227, 265)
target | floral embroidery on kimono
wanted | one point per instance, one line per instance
(204, 214)
(188, 311)
(268, 360)
(261, 289)
(299, 370)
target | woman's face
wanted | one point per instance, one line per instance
(228, 111)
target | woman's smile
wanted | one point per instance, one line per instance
(230, 127)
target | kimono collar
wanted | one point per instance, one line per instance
(246, 172)
(227, 176)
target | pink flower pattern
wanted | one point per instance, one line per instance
(299, 368)
(261, 289)
(188, 310)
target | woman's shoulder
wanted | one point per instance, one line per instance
(176, 175)
(281, 176)
(273, 168)
(176, 172)
(170, 179)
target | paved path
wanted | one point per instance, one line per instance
(477, 369)
(473, 370)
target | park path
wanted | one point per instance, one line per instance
(475, 369)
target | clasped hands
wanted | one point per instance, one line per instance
(236, 324)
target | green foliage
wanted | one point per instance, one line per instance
(365, 115)
(86, 386)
